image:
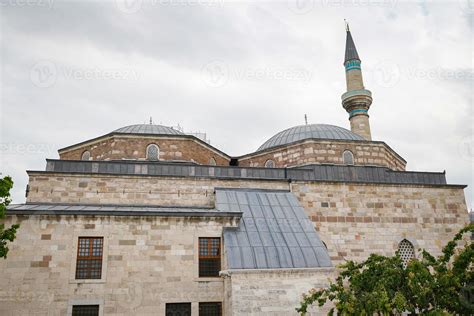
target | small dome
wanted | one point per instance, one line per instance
(148, 129)
(317, 131)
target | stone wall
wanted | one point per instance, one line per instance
(148, 190)
(134, 147)
(355, 220)
(273, 292)
(319, 151)
(352, 219)
(148, 261)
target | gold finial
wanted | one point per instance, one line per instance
(347, 25)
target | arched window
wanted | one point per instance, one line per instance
(152, 152)
(86, 155)
(212, 161)
(406, 251)
(348, 157)
(269, 164)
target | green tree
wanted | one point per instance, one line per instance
(6, 235)
(384, 286)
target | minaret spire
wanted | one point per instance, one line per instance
(357, 100)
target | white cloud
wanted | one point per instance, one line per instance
(281, 60)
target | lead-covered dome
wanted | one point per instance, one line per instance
(148, 129)
(311, 131)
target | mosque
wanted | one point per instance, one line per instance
(148, 220)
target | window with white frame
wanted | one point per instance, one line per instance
(406, 251)
(86, 155)
(348, 157)
(269, 164)
(152, 152)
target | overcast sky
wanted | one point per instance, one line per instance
(240, 71)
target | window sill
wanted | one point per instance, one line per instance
(208, 279)
(87, 281)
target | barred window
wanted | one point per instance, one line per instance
(269, 164)
(406, 251)
(210, 309)
(85, 310)
(178, 309)
(89, 258)
(86, 155)
(209, 257)
(348, 157)
(152, 152)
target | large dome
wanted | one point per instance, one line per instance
(318, 131)
(148, 129)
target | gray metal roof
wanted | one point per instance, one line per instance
(318, 131)
(116, 210)
(351, 51)
(148, 129)
(274, 231)
(333, 173)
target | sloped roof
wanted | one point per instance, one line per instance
(310, 131)
(150, 129)
(113, 210)
(274, 231)
(351, 51)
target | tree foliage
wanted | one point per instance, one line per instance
(9, 234)
(384, 286)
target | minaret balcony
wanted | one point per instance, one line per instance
(356, 99)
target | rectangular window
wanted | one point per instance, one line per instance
(85, 310)
(89, 258)
(209, 257)
(210, 309)
(178, 309)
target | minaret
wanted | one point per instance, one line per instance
(357, 100)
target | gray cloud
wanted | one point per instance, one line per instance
(239, 71)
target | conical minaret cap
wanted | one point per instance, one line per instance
(351, 51)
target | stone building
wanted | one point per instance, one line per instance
(148, 220)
